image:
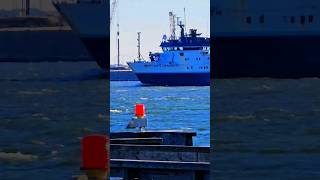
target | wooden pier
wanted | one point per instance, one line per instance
(161, 155)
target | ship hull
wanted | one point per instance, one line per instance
(90, 22)
(99, 49)
(266, 56)
(174, 79)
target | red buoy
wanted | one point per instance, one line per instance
(94, 152)
(139, 110)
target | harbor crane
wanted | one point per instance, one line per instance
(113, 10)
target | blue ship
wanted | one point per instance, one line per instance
(184, 61)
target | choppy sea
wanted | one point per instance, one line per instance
(167, 108)
(45, 108)
(266, 129)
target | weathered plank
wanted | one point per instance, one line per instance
(170, 137)
(166, 170)
(160, 153)
(148, 141)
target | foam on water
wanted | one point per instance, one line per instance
(4, 156)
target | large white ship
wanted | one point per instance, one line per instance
(90, 20)
(266, 38)
(183, 62)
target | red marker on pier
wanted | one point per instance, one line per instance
(139, 110)
(139, 120)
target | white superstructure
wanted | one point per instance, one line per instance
(184, 61)
(176, 61)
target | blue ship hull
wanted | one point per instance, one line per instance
(294, 56)
(175, 79)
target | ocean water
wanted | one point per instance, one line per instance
(185, 108)
(261, 128)
(266, 129)
(45, 108)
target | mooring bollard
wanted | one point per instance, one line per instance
(95, 156)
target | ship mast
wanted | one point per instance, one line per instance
(139, 54)
(118, 39)
(118, 36)
(185, 19)
(25, 7)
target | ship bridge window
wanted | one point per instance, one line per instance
(292, 19)
(248, 20)
(205, 53)
(261, 19)
(310, 19)
(302, 19)
(192, 48)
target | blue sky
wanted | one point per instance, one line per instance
(150, 17)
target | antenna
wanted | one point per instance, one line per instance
(118, 33)
(139, 54)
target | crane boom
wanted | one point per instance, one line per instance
(113, 10)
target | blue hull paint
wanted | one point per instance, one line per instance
(175, 79)
(266, 56)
